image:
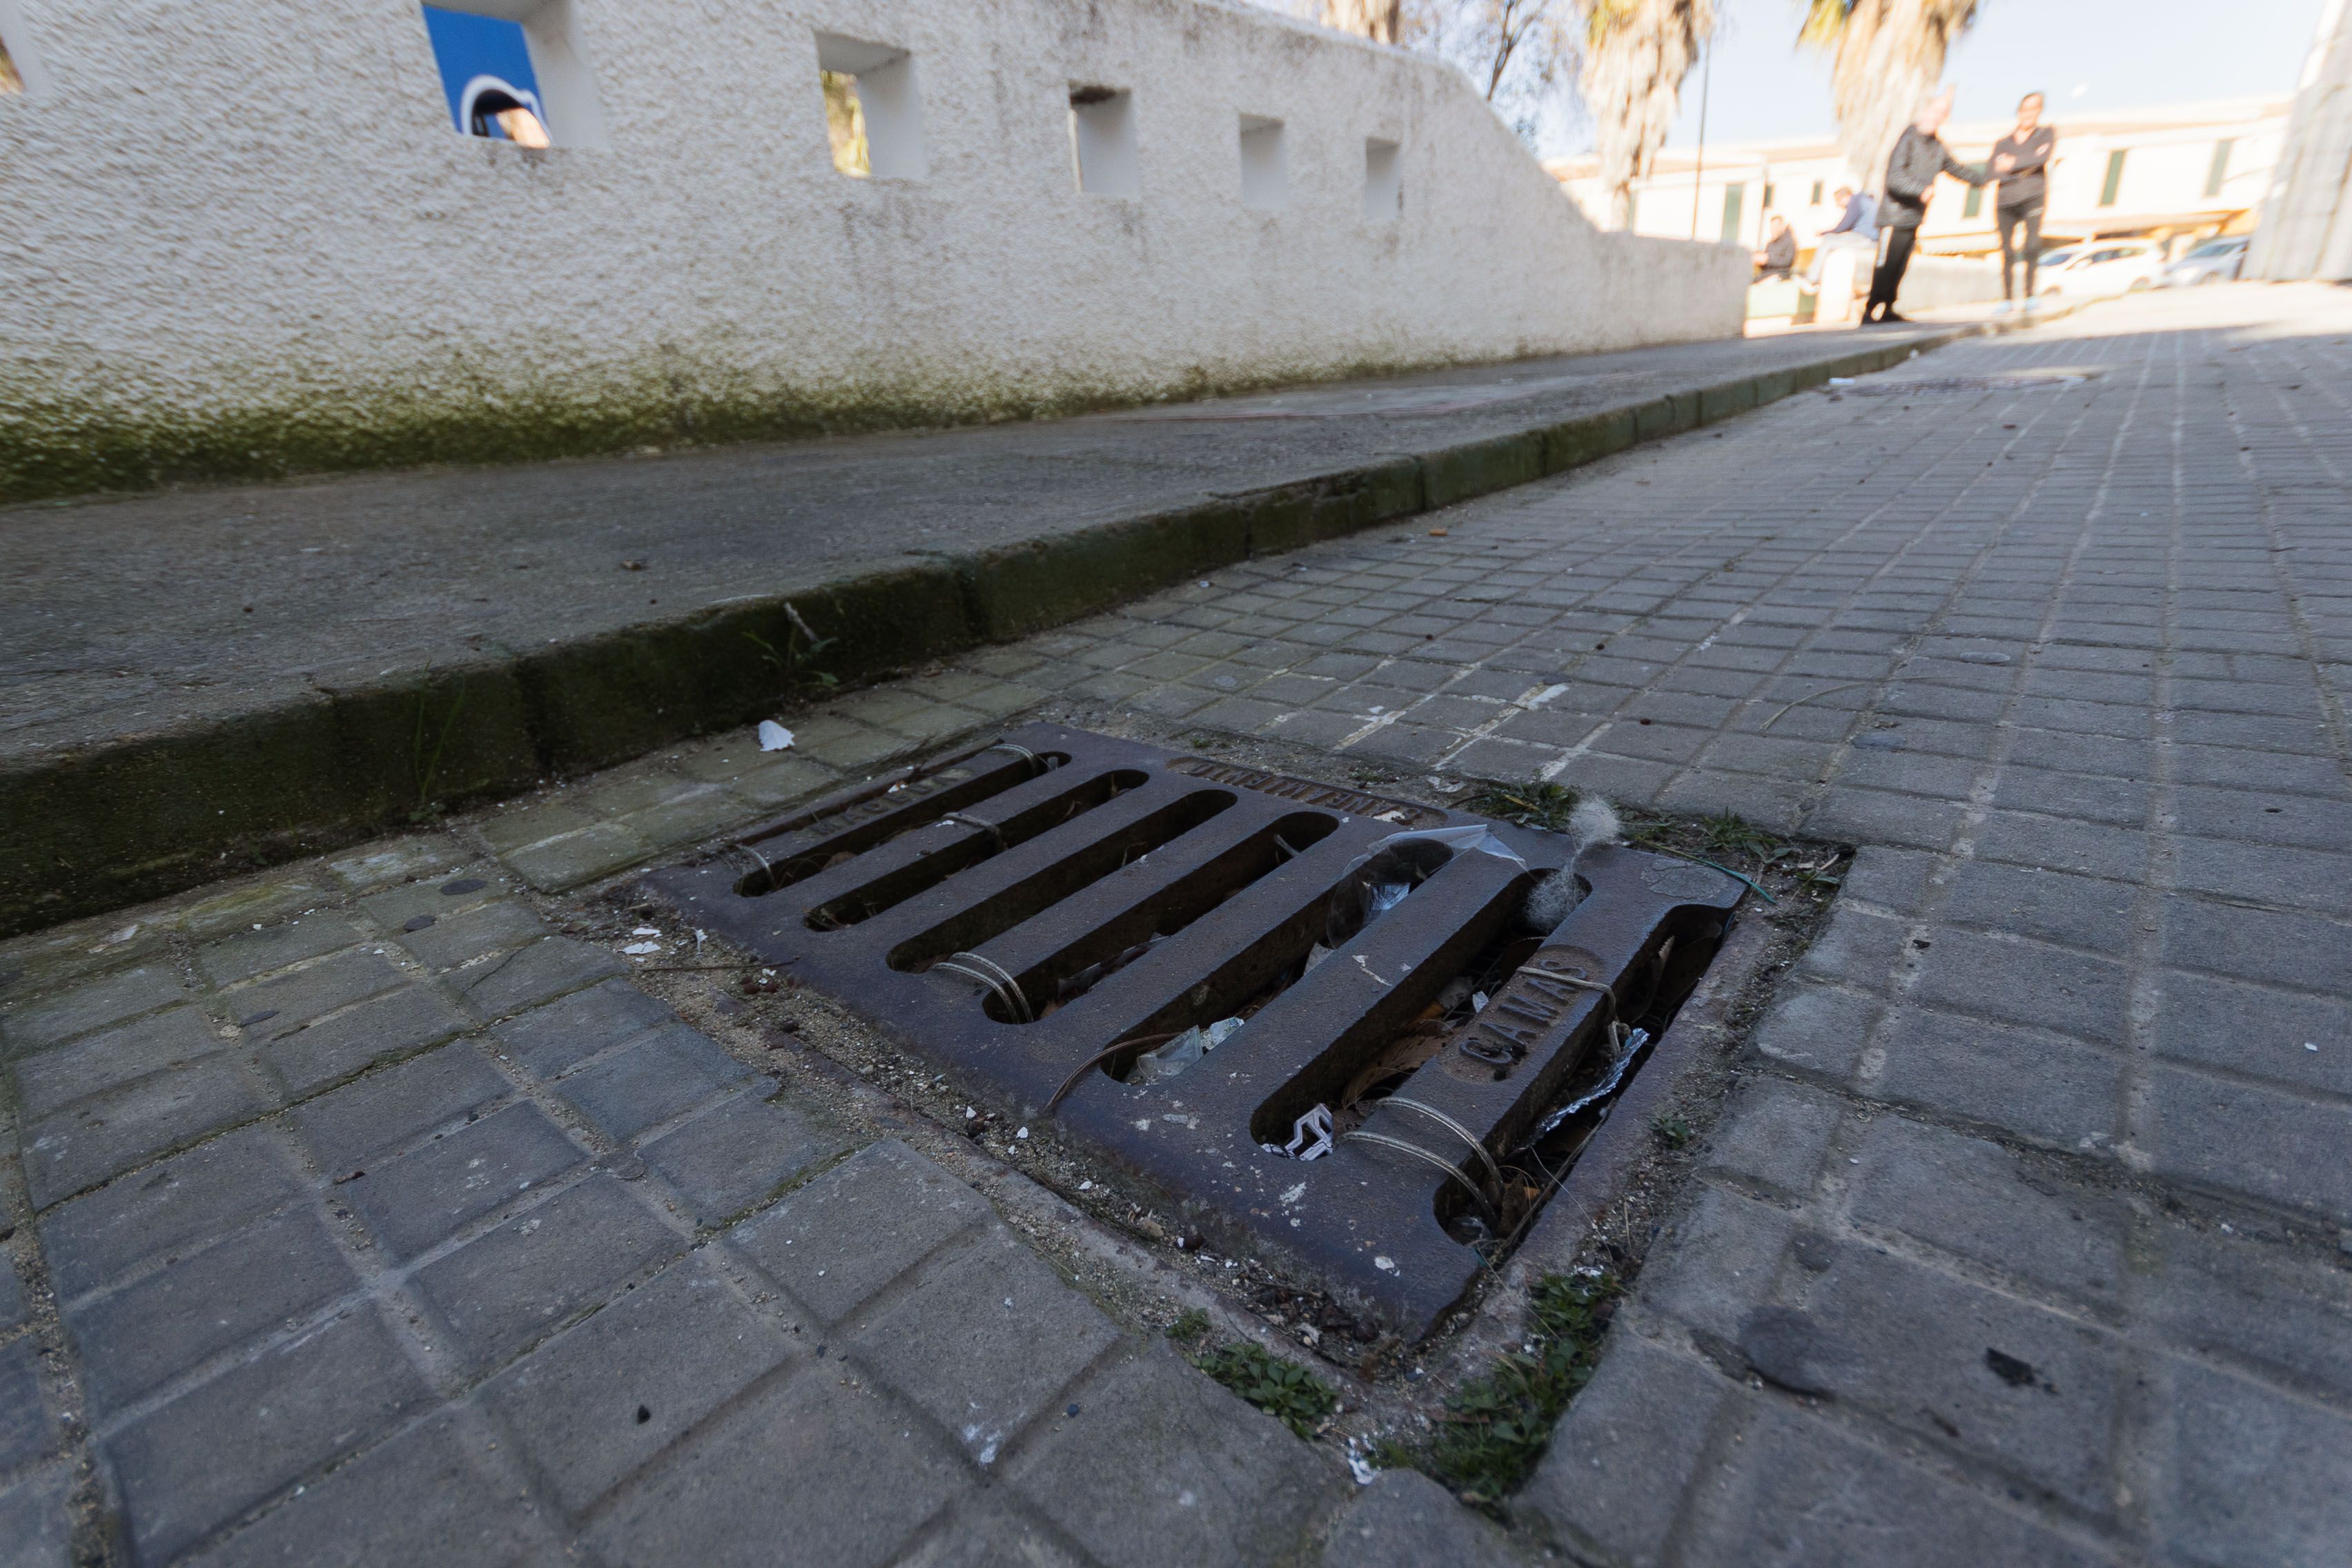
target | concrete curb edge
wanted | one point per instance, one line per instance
(151, 815)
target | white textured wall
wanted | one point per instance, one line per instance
(2306, 227)
(234, 226)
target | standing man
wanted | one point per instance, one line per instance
(1919, 156)
(2018, 161)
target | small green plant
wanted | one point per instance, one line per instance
(427, 768)
(800, 645)
(1288, 1392)
(1671, 1129)
(1820, 877)
(1730, 835)
(1190, 1325)
(1495, 1429)
(1544, 805)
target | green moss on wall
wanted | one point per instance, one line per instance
(73, 428)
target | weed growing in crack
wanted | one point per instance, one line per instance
(1543, 805)
(1496, 1429)
(801, 644)
(1289, 1393)
(428, 769)
(1671, 1129)
(1818, 877)
(1190, 1325)
(1731, 835)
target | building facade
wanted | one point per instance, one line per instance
(245, 239)
(2176, 175)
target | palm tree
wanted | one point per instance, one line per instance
(1636, 53)
(1887, 57)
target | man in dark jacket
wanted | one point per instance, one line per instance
(1779, 256)
(2017, 162)
(1919, 156)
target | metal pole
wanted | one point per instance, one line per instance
(1698, 169)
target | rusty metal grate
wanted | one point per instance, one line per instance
(1037, 915)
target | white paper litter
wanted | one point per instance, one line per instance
(1160, 1065)
(773, 737)
(636, 948)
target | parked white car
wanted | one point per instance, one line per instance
(2108, 267)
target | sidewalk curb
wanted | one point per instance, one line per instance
(149, 814)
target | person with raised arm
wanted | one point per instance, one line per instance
(1919, 156)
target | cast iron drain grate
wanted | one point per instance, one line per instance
(1036, 915)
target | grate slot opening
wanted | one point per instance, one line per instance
(928, 797)
(1086, 865)
(1317, 933)
(896, 885)
(1055, 982)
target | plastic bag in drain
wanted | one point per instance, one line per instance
(1377, 880)
(1164, 1062)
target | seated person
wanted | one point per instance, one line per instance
(1856, 229)
(1779, 256)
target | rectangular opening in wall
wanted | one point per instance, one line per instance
(845, 124)
(2114, 183)
(1734, 195)
(872, 108)
(1816, 193)
(1265, 173)
(1102, 142)
(1975, 202)
(512, 72)
(1383, 184)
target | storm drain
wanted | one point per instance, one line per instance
(1317, 1021)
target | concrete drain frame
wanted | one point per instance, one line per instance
(1034, 914)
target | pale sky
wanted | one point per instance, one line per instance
(2088, 56)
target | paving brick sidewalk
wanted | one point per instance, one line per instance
(2028, 1239)
(2023, 1240)
(405, 1230)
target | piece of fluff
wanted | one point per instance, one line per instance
(1593, 821)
